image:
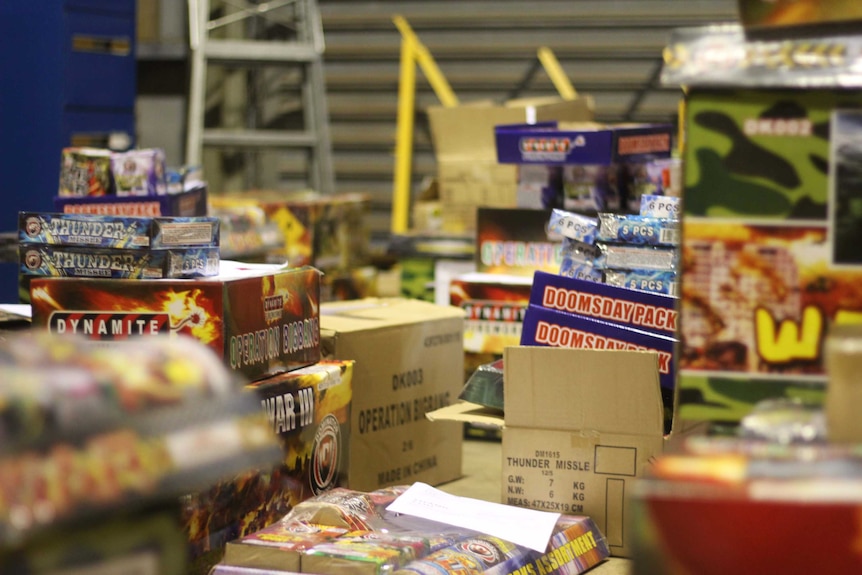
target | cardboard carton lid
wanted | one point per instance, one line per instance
(581, 389)
(467, 131)
(376, 313)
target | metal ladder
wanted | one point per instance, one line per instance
(303, 51)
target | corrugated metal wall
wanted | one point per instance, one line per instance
(610, 49)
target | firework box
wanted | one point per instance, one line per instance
(259, 319)
(468, 174)
(326, 231)
(494, 306)
(278, 546)
(631, 308)
(771, 227)
(104, 231)
(516, 241)
(309, 410)
(409, 361)
(192, 202)
(560, 143)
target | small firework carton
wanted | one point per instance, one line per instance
(85, 172)
(260, 320)
(139, 172)
(74, 261)
(641, 310)
(191, 202)
(278, 546)
(104, 231)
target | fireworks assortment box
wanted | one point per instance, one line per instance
(260, 320)
(309, 410)
(345, 531)
(688, 511)
(101, 172)
(494, 306)
(770, 235)
(103, 231)
(409, 361)
(110, 445)
(326, 231)
(515, 242)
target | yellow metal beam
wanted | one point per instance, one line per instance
(555, 73)
(413, 52)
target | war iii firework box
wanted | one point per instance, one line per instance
(580, 427)
(309, 410)
(771, 214)
(259, 319)
(409, 361)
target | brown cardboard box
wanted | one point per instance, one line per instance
(409, 360)
(580, 426)
(468, 173)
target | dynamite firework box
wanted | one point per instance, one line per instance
(104, 231)
(631, 308)
(188, 203)
(580, 427)
(516, 241)
(771, 225)
(409, 361)
(494, 306)
(259, 319)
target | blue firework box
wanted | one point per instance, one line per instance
(638, 230)
(637, 309)
(107, 231)
(551, 328)
(117, 263)
(553, 143)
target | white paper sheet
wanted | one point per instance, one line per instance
(525, 527)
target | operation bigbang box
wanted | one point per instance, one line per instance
(106, 231)
(259, 319)
(114, 263)
(641, 310)
(547, 327)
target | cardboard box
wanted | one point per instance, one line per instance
(260, 321)
(409, 361)
(468, 173)
(580, 427)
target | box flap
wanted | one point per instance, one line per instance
(583, 390)
(372, 313)
(467, 412)
(467, 131)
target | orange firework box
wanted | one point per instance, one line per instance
(261, 319)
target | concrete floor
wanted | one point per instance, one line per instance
(482, 468)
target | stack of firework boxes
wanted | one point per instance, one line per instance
(262, 321)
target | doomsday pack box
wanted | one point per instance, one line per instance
(409, 360)
(771, 219)
(260, 321)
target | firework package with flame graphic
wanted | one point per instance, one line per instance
(409, 361)
(347, 531)
(308, 409)
(771, 219)
(93, 435)
(260, 319)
